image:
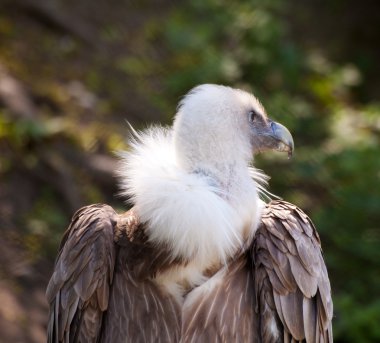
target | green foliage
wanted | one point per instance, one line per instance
(19, 132)
(355, 325)
(43, 226)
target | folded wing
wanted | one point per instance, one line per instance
(78, 291)
(291, 282)
(102, 288)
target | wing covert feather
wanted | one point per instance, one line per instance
(78, 290)
(290, 271)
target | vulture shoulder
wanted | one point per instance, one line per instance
(102, 278)
(78, 291)
(293, 294)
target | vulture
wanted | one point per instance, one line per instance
(199, 256)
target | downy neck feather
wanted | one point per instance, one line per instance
(203, 216)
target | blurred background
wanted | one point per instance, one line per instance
(73, 71)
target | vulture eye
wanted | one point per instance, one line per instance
(252, 115)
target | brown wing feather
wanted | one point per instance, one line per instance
(139, 310)
(78, 290)
(102, 289)
(291, 274)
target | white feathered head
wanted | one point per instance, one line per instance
(215, 123)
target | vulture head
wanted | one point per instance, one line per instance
(217, 127)
(192, 184)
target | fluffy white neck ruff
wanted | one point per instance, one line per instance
(194, 212)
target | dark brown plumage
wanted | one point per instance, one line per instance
(291, 279)
(103, 288)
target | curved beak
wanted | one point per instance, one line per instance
(283, 137)
(273, 136)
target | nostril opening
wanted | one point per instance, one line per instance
(273, 127)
